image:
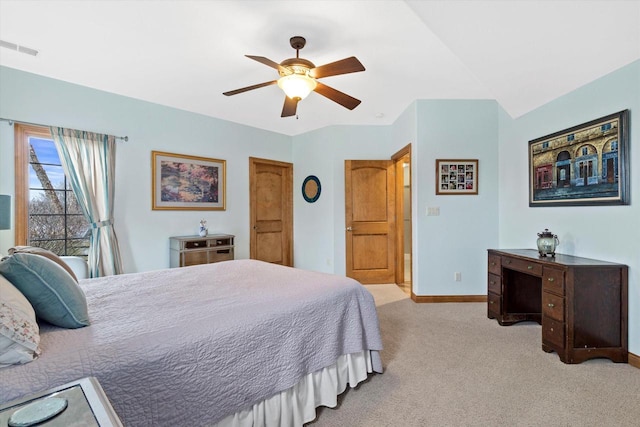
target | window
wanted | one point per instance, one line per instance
(47, 211)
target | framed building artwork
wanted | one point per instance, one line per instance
(456, 176)
(181, 182)
(584, 165)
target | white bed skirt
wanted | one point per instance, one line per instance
(297, 405)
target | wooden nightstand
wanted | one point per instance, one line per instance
(194, 250)
(88, 406)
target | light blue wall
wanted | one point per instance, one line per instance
(610, 233)
(143, 233)
(457, 239)
(319, 242)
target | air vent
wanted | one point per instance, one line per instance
(18, 48)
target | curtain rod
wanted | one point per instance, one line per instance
(11, 122)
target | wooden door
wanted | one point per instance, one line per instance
(271, 211)
(370, 220)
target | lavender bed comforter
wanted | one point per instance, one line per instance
(189, 346)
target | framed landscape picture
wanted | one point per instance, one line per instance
(584, 165)
(457, 176)
(187, 182)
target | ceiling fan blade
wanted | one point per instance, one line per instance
(270, 63)
(344, 66)
(289, 107)
(337, 96)
(244, 89)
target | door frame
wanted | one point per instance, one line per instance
(399, 158)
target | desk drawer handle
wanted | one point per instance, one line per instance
(493, 263)
(492, 282)
(551, 305)
(529, 267)
(550, 279)
(196, 244)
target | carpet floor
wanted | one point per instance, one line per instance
(449, 365)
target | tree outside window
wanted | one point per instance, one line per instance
(47, 212)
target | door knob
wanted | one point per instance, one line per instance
(349, 228)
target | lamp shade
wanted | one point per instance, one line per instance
(5, 212)
(297, 85)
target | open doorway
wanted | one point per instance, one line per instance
(402, 161)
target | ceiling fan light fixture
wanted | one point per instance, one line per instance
(297, 85)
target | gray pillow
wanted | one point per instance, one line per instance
(53, 293)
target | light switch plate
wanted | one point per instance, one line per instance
(433, 211)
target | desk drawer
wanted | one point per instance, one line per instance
(494, 305)
(552, 332)
(494, 266)
(553, 280)
(553, 306)
(494, 284)
(521, 265)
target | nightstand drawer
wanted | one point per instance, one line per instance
(221, 255)
(195, 244)
(221, 242)
(195, 257)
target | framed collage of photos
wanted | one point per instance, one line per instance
(456, 176)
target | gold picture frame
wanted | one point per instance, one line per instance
(585, 165)
(183, 182)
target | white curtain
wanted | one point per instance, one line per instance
(88, 159)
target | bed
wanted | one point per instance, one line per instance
(233, 343)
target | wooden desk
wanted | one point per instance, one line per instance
(581, 303)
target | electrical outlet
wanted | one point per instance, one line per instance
(457, 276)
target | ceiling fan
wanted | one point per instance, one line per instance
(298, 78)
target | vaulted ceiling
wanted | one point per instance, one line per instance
(185, 54)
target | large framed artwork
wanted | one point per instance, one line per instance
(584, 165)
(456, 176)
(182, 182)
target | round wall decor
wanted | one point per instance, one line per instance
(311, 188)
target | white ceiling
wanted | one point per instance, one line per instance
(184, 54)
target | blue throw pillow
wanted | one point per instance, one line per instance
(50, 289)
